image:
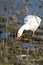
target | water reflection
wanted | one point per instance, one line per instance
(26, 45)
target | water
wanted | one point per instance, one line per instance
(18, 4)
(2, 34)
(26, 45)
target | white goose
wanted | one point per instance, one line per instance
(31, 22)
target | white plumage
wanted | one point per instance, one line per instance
(31, 22)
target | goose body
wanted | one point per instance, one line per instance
(31, 22)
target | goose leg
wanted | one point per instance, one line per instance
(33, 43)
(33, 34)
(32, 39)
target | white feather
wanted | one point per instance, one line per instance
(31, 22)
